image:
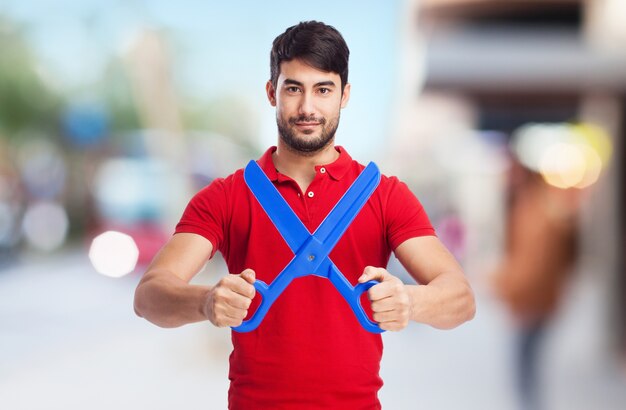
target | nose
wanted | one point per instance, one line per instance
(306, 105)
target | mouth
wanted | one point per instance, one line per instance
(306, 125)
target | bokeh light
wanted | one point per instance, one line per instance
(113, 254)
(597, 139)
(45, 225)
(42, 167)
(129, 191)
(566, 155)
(562, 165)
(593, 166)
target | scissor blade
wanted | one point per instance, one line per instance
(343, 213)
(280, 213)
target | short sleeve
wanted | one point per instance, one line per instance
(405, 216)
(207, 214)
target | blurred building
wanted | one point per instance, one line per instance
(475, 72)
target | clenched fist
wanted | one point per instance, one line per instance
(390, 299)
(228, 301)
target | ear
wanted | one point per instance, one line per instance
(271, 92)
(346, 95)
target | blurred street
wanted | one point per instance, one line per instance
(70, 340)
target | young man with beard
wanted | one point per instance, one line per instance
(309, 352)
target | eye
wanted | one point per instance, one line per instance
(293, 89)
(324, 90)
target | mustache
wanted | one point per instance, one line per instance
(304, 118)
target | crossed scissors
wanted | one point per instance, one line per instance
(311, 250)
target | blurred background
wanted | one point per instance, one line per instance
(505, 117)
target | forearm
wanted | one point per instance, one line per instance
(444, 303)
(168, 301)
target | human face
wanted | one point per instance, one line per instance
(308, 102)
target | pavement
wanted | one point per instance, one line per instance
(69, 339)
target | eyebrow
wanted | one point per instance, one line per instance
(330, 83)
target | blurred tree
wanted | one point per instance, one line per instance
(226, 115)
(116, 92)
(26, 101)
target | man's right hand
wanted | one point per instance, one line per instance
(228, 301)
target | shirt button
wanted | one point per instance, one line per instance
(310, 194)
(323, 170)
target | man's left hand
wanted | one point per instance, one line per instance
(390, 299)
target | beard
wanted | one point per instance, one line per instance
(307, 144)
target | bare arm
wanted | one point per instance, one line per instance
(165, 297)
(443, 299)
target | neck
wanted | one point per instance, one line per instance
(301, 167)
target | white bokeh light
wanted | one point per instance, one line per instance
(562, 165)
(45, 225)
(113, 254)
(593, 166)
(566, 155)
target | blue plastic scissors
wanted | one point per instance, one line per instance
(311, 250)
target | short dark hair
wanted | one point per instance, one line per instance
(317, 44)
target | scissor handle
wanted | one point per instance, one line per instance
(267, 300)
(352, 295)
(358, 310)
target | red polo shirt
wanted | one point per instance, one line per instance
(309, 352)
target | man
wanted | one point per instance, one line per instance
(309, 351)
(541, 254)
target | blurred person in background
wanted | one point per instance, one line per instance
(309, 352)
(541, 251)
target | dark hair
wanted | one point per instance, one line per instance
(317, 44)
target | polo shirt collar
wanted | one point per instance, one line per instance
(336, 169)
(267, 164)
